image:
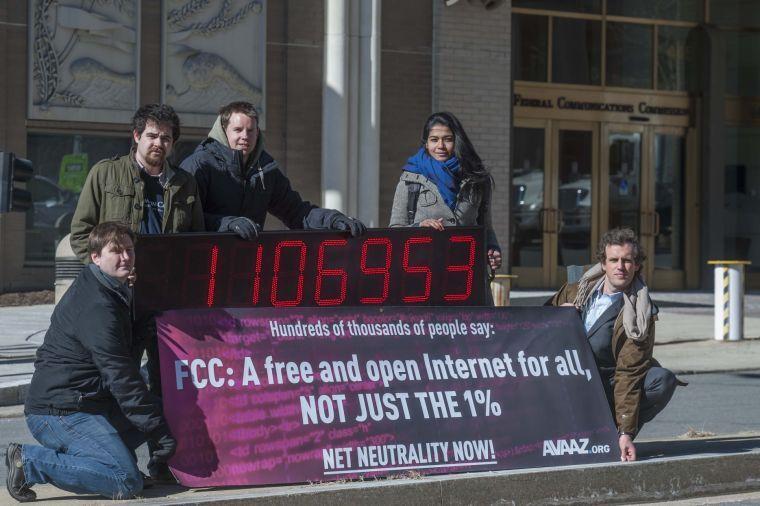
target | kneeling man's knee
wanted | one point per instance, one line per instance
(130, 485)
(660, 384)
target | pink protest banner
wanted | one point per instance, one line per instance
(264, 396)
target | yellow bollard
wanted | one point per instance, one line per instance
(500, 287)
(729, 299)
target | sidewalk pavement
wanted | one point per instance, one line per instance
(670, 469)
(684, 340)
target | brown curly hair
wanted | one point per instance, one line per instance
(620, 237)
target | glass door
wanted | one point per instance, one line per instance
(667, 207)
(554, 164)
(530, 158)
(644, 188)
(624, 157)
(572, 213)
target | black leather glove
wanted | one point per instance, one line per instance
(242, 226)
(166, 446)
(340, 221)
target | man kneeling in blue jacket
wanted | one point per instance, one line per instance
(87, 404)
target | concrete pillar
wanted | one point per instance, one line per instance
(335, 107)
(714, 226)
(350, 110)
(368, 183)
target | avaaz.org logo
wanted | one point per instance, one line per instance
(559, 447)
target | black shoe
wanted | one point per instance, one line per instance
(15, 481)
(160, 474)
(148, 482)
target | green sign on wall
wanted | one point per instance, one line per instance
(74, 168)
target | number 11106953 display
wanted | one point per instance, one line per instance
(385, 267)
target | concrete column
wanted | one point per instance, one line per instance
(714, 225)
(350, 112)
(368, 183)
(335, 106)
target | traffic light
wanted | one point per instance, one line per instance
(13, 171)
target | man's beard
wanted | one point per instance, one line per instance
(155, 157)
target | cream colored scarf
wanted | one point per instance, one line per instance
(637, 306)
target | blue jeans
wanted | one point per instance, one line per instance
(83, 453)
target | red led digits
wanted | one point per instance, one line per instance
(212, 276)
(209, 260)
(393, 267)
(384, 270)
(417, 269)
(322, 273)
(276, 278)
(257, 277)
(467, 268)
(245, 274)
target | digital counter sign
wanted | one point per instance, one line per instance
(384, 267)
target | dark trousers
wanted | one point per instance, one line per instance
(659, 385)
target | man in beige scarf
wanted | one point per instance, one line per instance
(619, 318)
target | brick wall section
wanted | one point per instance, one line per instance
(406, 83)
(295, 36)
(472, 79)
(13, 76)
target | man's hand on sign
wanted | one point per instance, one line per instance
(166, 445)
(627, 450)
(242, 226)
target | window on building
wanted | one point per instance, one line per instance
(672, 57)
(742, 194)
(182, 149)
(529, 47)
(678, 10)
(527, 196)
(576, 51)
(61, 163)
(742, 63)
(585, 6)
(742, 13)
(629, 55)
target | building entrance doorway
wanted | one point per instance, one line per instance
(572, 180)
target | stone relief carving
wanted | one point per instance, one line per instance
(84, 59)
(214, 53)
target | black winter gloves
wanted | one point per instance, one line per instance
(166, 445)
(242, 226)
(330, 219)
(343, 222)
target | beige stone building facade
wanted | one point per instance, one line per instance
(590, 114)
(419, 72)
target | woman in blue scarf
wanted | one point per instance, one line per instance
(445, 184)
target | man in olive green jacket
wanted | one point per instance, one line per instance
(140, 189)
(619, 319)
(144, 191)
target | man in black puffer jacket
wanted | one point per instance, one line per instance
(239, 182)
(87, 403)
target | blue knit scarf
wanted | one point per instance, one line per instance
(446, 175)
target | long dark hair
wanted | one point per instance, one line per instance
(472, 166)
